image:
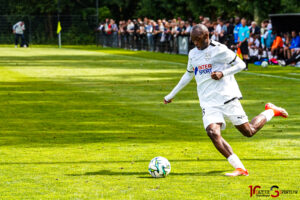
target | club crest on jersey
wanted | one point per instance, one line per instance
(203, 69)
(207, 56)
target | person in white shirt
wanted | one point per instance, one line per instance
(18, 30)
(254, 48)
(213, 65)
(215, 36)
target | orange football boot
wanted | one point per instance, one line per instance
(277, 110)
(238, 172)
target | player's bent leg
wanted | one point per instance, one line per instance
(245, 129)
(214, 133)
(249, 129)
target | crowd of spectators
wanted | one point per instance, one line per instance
(255, 42)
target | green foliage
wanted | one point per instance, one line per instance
(104, 13)
(124, 9)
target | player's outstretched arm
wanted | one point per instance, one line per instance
(186, 78)
(237, 66)
(233, 63)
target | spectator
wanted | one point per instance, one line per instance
(146, 21)
(135, 34)
(182, 27)
(221, 29)
(108, 32)
(130, 31)
(229, 39)
(167, 35)
(236, 29)
(215, 36)
(100, 27)
(123, 34)
(201, 18)
(277, 46)
(163, 36)
(149, 31)
(210, 27)
(100, 31)
(155, 35)
(114, 30)
(263, 30)
(269, 37)
(254, 48)
(293, 60)
(254, 29)
(286, 46)
(188, 28)
(230, 26)
(295, 43)
(179, 20)
(139, 21)
(142, 37)
(18, 30)
(174, 32)
(243, 36)
(205, 20)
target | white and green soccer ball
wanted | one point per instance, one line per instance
(159, 167)
(264, 64)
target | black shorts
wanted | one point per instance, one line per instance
(244, 48)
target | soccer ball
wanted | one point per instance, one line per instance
(264, 64)
(159, 167)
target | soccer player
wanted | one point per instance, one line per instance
(213, 65)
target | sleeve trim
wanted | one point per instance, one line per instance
(189, 71)
(233, 60)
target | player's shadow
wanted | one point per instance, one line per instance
(209, 173)
(145, 174)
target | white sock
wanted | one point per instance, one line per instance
(235, 161)
(269, 114)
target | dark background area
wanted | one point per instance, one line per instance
(285, 22)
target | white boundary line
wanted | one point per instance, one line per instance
(272, 76)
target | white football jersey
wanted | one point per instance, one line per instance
(216, 57)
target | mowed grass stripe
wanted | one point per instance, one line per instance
(273, 69)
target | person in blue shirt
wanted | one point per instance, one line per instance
(149, 31)
(243, 36)
(236, 30)
(295, 43)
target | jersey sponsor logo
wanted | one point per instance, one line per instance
(203, 69)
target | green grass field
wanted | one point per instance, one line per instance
(83, 123)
